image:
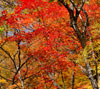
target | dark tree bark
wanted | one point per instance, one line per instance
(81, 35)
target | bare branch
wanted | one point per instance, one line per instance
(65, 4)
(82, 4)
(63, 79)
(19, 53)
(13, 80)
(80, 9)
(9, 56)
(5, 78)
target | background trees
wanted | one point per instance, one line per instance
(44, 44)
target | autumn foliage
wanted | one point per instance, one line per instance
(39, 49)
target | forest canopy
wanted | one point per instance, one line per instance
(49, 44)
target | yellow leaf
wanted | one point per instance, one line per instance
(3, 81)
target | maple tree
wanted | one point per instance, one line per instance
(48, 38)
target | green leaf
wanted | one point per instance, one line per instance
(1, 29)
(59, 3)
(25, 11)
(51, 1)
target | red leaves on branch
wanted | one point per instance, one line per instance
(4, 12)
(52, 40)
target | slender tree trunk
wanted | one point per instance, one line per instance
(91, 77)
(98, 81)
(89, 69)
(73, 79)
(81, 33)
(63, 79)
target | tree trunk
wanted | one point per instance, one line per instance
(91, 77)
(98, 81)
(81, 35)
(89, 69)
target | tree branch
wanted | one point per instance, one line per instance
(9, 56)
(19, 53)
(13, 80)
